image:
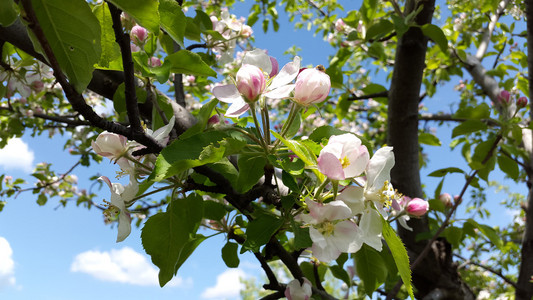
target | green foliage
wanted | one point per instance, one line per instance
(251, 169)
(230, 255)
(170, 237)
(187, 62)
(173, 20)
(73, 33)
(110, 49)
(400, 255)
(260, 230)
(8, 12)
(371, 268)
(145, 12)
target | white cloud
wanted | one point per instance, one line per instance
(7, 265)
(16, 155)
(124, 265)
(228, 285)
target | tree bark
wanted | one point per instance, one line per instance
(524, 285)
(437, 277)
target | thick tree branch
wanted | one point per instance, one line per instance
(123, 40)
(487, 33)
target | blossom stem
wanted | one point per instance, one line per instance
(266, 123)
(320, 189)
(258, 128)
(151, 193)
(292, 114)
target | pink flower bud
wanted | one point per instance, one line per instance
(138, 34)
(312, 86)
(37, 86)
(215, 119)
(154, 62)
(504, 97)
(417, 207)
(275, 67)
(521, 102)
(110, 145)
(250, 82)
(246, 31)
(297, 291)
(340, 25)
(446, 199)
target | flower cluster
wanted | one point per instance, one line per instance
(258, 78)
(231, 29)
(119, 150)
(354, 218)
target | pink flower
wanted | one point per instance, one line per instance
(312, 86)
(297, 291)
(417, 207)
(275, 67)
(446, 199)
(250, 82)
(344, 157)
(340, 25)
(110, 145)
(138, 34)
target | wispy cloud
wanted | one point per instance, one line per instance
(121, 265)
(7, 265)
(228, 285)
(16, 155)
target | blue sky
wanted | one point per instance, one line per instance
(60, 253)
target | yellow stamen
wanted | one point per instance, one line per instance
(344, 162)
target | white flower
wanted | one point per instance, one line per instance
(120, 197)
(330, 231)
(343, 157)
(297, 291)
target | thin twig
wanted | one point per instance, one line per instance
(61, 178)
(495, 272)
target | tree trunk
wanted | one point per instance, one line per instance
(524, 288)
(436, 277)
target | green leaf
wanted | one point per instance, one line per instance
(304, 153)
(214, 210)
(197, 150)
(444, 171)
(368, 10)
(169, 237)
(509, 166)
(454, 235)
(289, 181)
(73, 33)
(8, 13)
(295, 126)
(302, 239)
(173, 20)
(467, 127)
(436, 34)
(260, 231)
(42, 199)
(478, 112)
(428, 139)
(326, 131)
(230, 255)
(145, 12)
(399, 253)
(488, 232)
(119, 98)
(309, 272)
(341, 274)
(203, 117)
(110, 49)
(251, 169)
(379, 29)
(371, 268)
(187, 62)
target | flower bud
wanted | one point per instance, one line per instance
(297, 291)
(138, 34)
(110, 145)
(504, 97)
(446, 199)
(521, 102)
(154, 62)
(340, 25)
(250, 82)
(312, 86)
(417, 207)
(246, 31)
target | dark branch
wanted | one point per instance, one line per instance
(495, 272)
(383, 94)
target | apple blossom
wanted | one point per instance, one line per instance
(250, 83)
(446, 199)
(110, 145)
(330, 231)
(154, 62)
(504, 97)
(120, 198)
(521, 102)
(417, 207)
(312, 86)
(139, 34)
(299, 291)
(343, 157)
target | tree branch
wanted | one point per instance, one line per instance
(369, 96)
(485, 40)
(495, 272)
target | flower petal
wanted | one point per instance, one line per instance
(259, 58)
(287, 74)
(353, 196)
(379, 167)
(281, 92)
(370, 225)
(226, 93)
(329, 165)
(124, 226)
(238, 108)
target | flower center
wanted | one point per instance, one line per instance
(387, 193)
(111, 213)
(344, 162)
(327, 228)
